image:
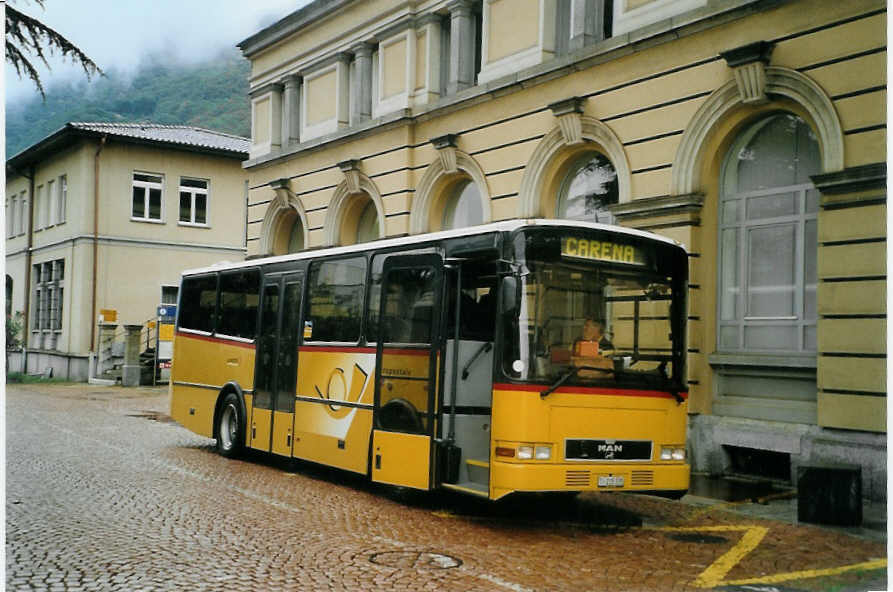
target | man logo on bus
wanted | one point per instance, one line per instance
(610, 449)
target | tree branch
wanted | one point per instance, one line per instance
(27, 35)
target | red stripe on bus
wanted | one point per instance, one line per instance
(395, 351)
(583, 390)
(221, 340)
(337, 349)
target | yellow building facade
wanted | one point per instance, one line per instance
(104, 217)
(754, 133)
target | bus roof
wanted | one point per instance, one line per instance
(504, 226)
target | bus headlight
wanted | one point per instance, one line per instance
(672, 453)
(525, 452)
(543, 452)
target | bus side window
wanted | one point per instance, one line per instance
(198, 302)
(335, 303)
(478, 314)
(239, 293)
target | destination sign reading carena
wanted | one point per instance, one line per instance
(585, 248)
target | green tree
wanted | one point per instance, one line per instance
(14, 337)
(27, 37)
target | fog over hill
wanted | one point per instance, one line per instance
(211, 94)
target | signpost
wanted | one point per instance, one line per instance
(164, 336)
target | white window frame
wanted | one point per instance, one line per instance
(11, 205)
(798, 219)
(50, 209)
(62, 203)
(39, 206)
(23, 213)
(49, 292)
(168, 286)
(147, 185)
(193, 191)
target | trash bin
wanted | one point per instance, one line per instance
(830, 494)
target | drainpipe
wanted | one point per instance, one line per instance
(26, 330)
(93, 317)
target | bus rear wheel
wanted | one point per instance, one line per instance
(230, 428)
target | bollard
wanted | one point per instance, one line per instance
(130, 372)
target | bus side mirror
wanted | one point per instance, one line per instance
(509, 294)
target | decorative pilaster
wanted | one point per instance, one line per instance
(291, 109)
(749, 64)
(351, 170)
(570, 118)
(587, 17)
(446, 150)
(461, 46)
(430, 27)
(361, 97)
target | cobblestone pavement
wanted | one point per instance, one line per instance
(105, 493)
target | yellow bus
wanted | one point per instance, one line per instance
(519, 356)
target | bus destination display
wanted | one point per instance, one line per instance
(598, 250)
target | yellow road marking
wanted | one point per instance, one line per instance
(753, 536)
(810, 573)
(443, 514)
(714, 574)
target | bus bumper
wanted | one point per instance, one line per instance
(508, 477)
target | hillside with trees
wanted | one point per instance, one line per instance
(212, 94)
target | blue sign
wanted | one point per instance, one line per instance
(167, 311)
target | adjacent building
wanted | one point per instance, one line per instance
(104, 217)
(751, 131)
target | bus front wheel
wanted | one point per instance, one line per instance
(230, 428)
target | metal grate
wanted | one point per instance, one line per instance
(641, 478)
(576, 479)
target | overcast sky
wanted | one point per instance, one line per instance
(117, 33)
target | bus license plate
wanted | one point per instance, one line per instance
(610, 481)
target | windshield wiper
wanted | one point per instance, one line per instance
(567, 376)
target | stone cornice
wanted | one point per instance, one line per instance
(460, 6)
(602, 52)
(310, 69)
(569, 105)
(313, 12)
(853, 179)
(759, 51)
(667, 205)
(395, 28)
(266, 88)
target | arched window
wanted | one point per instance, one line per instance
(768, 238)
(463, 206)
(355, 219)
(367, 227)
(588, 189)
(296, 237)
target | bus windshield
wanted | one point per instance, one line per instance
(593, 321)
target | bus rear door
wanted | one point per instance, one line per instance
(272, 416)
(407, 368)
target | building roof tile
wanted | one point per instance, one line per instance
(176, 134)
(182, 137)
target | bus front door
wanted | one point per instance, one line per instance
(272, 416)
(406, 371)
